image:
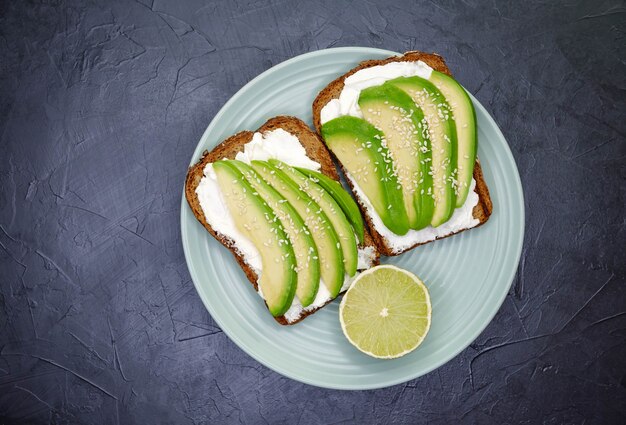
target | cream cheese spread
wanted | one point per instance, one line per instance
(275, 144)
(347, 104)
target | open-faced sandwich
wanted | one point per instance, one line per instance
(404, 133)
(273, 198)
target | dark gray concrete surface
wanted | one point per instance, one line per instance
(101, 107)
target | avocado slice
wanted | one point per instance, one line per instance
(341, 196)
(443, 138)
(406, 133)
(465, 123)
(359, 146)
(307, 259)
(332, 210)
(256, 220)
(320, 227)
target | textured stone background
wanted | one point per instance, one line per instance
(101, 106)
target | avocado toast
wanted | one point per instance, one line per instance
(404, 134)
(304, 234)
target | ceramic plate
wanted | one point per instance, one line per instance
(468, 275)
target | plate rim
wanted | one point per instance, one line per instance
(276, 367)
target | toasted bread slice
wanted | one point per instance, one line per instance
(315, 149)
(481, 211)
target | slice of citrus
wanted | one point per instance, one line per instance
(386, 312)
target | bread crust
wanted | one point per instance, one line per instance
(228, 149)
(481, 211)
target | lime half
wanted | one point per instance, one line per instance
(386, 312)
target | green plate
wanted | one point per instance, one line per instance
(468, 275)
